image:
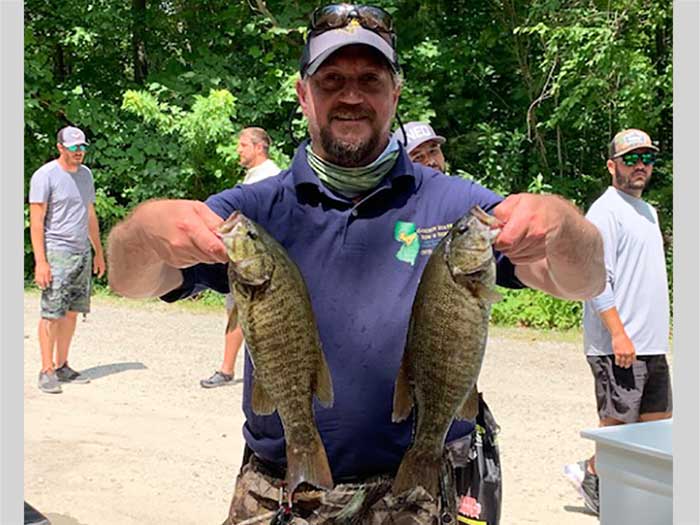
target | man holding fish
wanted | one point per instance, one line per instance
(359, 221)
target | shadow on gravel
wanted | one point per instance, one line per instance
(96, 372)
(578, 510)
(62, 519)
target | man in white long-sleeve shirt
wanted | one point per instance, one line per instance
(626, 328)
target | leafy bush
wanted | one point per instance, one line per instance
(535, 309)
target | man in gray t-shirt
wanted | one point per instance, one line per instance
(626, 328)
(63, 224)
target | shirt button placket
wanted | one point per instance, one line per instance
(352, 215)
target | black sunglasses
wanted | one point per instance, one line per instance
(630, 159)
(334, 16)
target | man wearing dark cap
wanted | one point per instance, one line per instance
(63, 223)
(626, 328)
(423, 145)
(336, 211)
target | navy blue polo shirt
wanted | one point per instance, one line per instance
(362, 275)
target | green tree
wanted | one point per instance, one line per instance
(528, 92)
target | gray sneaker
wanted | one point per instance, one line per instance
(217, 379)
(48, 383)
(591, 496)
(66, 374)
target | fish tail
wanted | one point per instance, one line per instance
(308, 466)
(418, 468)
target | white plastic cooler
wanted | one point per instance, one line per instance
(635, 468)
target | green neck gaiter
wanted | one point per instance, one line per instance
(352, 182)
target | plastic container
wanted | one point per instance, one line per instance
(635, 469)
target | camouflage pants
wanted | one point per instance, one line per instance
(70, 284)
(256, 499)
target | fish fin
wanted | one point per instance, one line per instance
(308, 467)
(232, 319)
(470, 406)
(418, 468)
(261, 403)
(323, 383)
(488, 293)
(493, 296)
(403, 394)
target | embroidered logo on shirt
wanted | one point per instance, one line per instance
(405, 233)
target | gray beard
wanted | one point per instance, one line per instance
(346, 154)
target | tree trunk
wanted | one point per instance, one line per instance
(138, 11)
(59, 64)
(665, 134)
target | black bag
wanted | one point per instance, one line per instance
(478, 477)
(33, 516)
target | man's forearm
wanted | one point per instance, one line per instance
(36, 232)
(160, 236)
(572, 267)
(622, 346)
(575, 256)
(611, 320)
(135, 270)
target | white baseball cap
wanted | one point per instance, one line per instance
(70, 136)
(416, 134)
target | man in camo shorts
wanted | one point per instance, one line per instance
(63, 223)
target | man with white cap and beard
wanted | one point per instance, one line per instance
(423, 145)
(63, 224)
(349, 189)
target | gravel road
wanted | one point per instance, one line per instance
(143, 443)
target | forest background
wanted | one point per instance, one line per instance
(527, 92)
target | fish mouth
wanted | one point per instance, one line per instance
(234, 221)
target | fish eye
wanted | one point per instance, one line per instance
(463, 226)
(252, 234)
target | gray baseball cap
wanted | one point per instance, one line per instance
(70, 136)
(322, 45)
(416, 134)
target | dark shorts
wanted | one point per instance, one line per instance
(625, 393)
(70, 284)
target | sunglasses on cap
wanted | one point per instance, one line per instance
(630, 159)
(334, 16)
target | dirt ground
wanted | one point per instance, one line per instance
(143, 443)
